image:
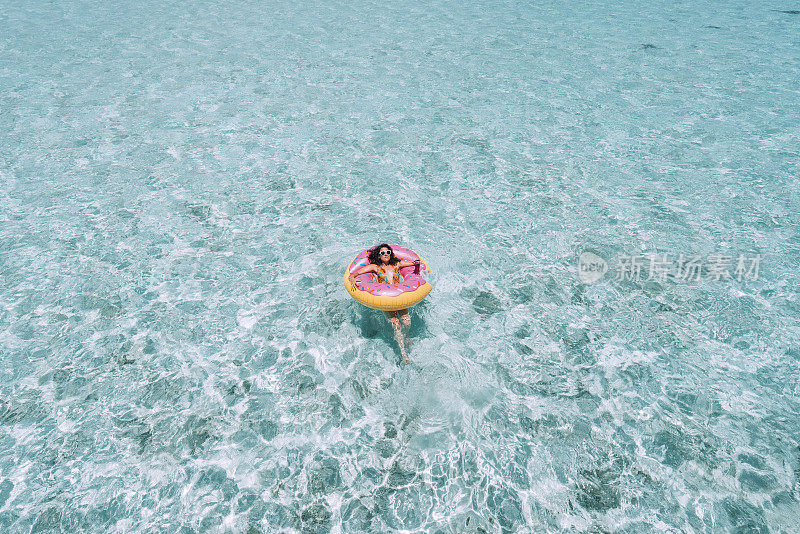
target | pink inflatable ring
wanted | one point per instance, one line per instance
(388, 297)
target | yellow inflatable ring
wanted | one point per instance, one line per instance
(388, 297)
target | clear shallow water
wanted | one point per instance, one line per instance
(183, 185)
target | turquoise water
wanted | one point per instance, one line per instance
(183, 185)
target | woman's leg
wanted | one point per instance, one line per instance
(405, 318)
(398, 334)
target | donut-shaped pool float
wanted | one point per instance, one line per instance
(388, 297)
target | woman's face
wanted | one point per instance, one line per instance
(385, 255)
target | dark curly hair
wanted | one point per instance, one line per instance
(376, 259)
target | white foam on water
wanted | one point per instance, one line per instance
(182, 188)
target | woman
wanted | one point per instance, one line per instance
(386, 267)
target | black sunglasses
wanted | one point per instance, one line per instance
(382, 252)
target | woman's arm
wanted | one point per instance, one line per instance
(371, 268)
(407, 263)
